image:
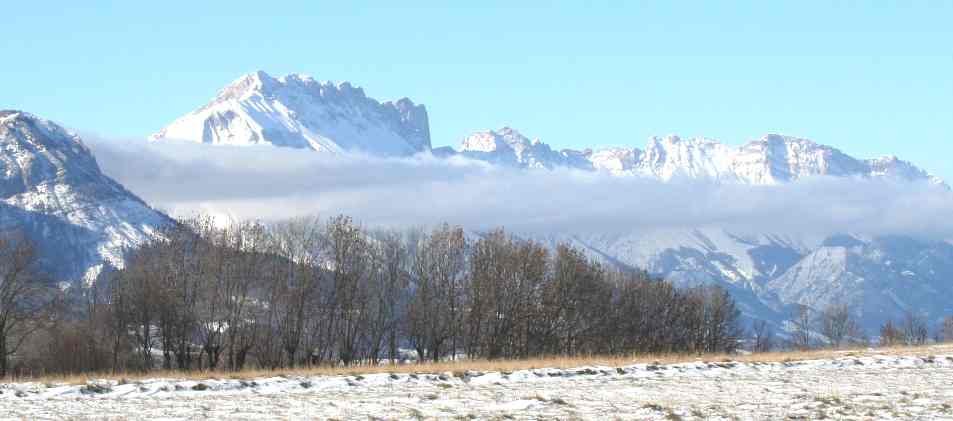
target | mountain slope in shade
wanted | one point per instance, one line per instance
(52, 190)
(299, 112)
(771, 159)
(878, 278)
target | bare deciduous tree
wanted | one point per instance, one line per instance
(435, 312)
(801, 334)
(891, 335)
(391, 279)
(915, 330)
(762, 336)
(946, 329)
(837, 324)
(20, 295)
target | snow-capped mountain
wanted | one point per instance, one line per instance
(509, 147)
(771, 159)
(299, 112)
(52, 190)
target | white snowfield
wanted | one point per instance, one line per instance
(851, 387)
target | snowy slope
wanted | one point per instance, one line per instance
(299, 112)
(877, 278)
(51, 188)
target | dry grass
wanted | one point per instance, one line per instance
(459, 367)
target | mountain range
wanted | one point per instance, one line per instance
(298, 111)
(768, 273)
(772, 159)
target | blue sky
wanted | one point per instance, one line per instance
(871, 78)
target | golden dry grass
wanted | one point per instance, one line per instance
(458, 367)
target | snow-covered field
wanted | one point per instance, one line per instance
(850, 387)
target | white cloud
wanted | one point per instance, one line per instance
(272, 183)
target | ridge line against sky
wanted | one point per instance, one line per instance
(870, 80)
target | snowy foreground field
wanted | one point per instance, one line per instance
(868, 386)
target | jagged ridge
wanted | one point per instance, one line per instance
(299, 112)
(770, 160)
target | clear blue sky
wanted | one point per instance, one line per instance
(871, 78)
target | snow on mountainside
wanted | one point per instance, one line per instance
(509, 147)
(299, 112)
(52, 190)
(772, 159)
(877, 278)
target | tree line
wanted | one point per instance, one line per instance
(307, 292)
(835, 326)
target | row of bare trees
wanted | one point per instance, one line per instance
(21, 296)
(835, 326)
(913, 329)
(521, 302)
(306, 292)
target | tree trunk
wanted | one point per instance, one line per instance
(4, 361)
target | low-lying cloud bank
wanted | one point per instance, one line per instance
(271, 183)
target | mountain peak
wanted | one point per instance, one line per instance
(486, 141)
(301, 77)
(259, 76)
(36, 152)
(508, 146)
(4, 114)
(888, 159)
(299, 112)
(505, 138)
(257, 81)
(10, 116)
(17, 115)
(777, 138)
(674, 140)
(23, 131)
(53, 191)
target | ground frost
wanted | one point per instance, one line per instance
(849, 388)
